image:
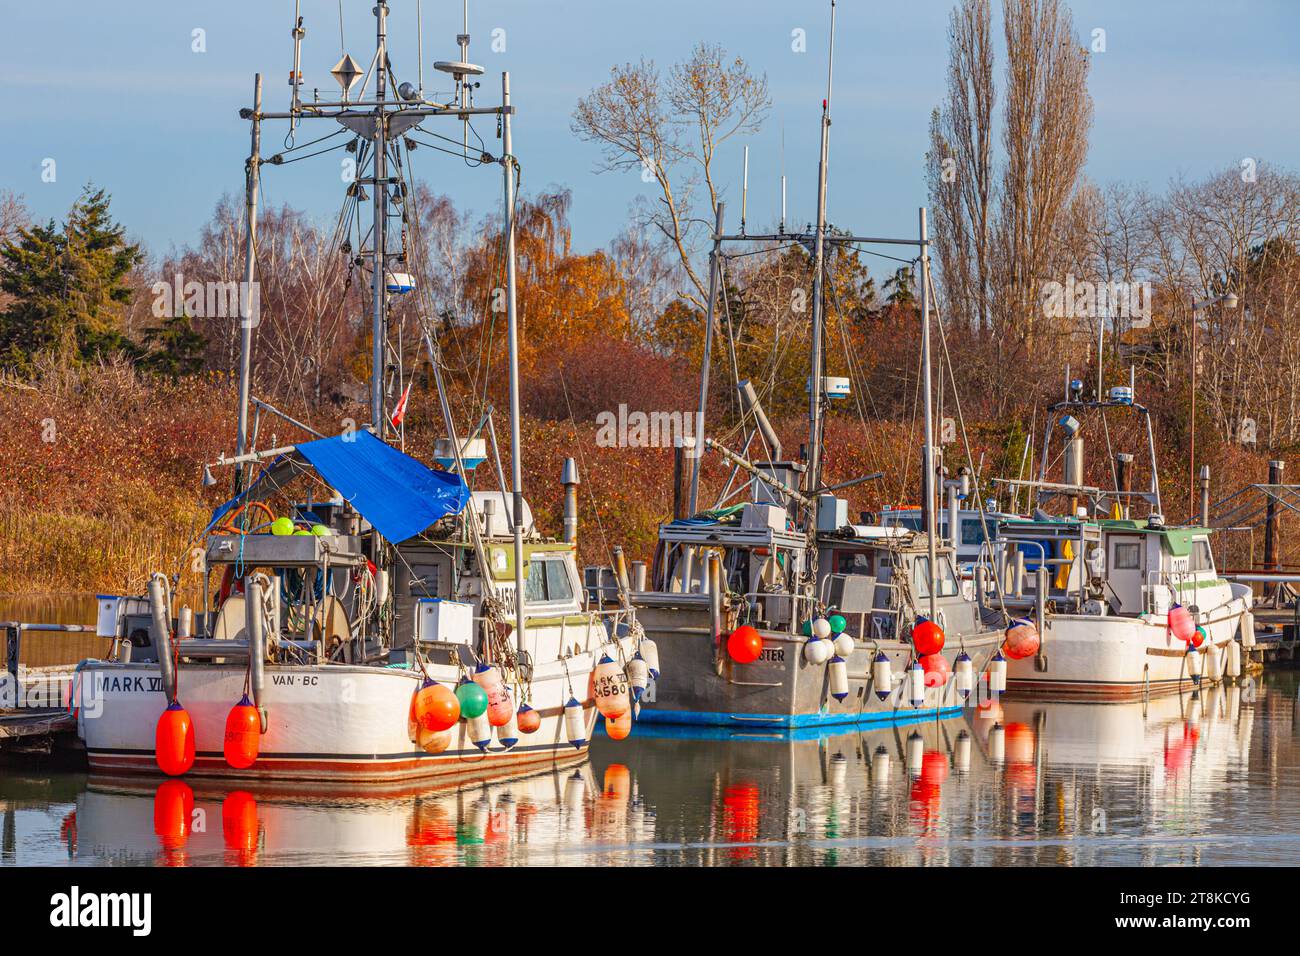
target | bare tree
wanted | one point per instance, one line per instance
(961, 166)
(1047, 115)
(670, 130)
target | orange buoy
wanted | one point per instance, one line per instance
(174, 741)
(528, 719)
(436, 707)
(1022, 640)
(619, 727)
(927, 637)
(243, 733)
(500, 707)
(412, 724)
(745, 644)
(433, 741)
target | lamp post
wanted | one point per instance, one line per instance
(1229, 301)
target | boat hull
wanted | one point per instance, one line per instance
(782, 689)
(1087, 657)
(326, 723)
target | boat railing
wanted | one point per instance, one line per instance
(1015, 581)
(606, 621)
(1165, 588)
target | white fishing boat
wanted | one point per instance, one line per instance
(1128, 607)
(389, 624)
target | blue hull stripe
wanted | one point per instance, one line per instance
(705, 718)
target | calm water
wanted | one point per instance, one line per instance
(1214, 780)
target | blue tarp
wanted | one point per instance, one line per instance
(397, 494)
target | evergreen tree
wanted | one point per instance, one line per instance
(67, 286)
(175, 348)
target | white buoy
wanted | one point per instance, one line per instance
(998, 673)
(961, 753)
(650, 651)
(881, 676)
(964, 675)
(818, 651)
(1213, 663)
(821, 627)
(1234, 659)
(508, 733)
(1194, 663)
(479, 731)
(839, 771)
(575, 724)
(997, 744)
(915, 753)
(838, 674)
(844, 644)
(638, 675)
(916, 684)
(880, 766)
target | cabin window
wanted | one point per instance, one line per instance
(424, 580)
(548, 582)
(1202, 557)
(972, 531)
(1128, 556)
(852, 562)
(921, 578)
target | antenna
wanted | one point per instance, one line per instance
(782, 228)
(744, 191)
(460, 69)
(419, 46)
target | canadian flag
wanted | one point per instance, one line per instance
(400, 411)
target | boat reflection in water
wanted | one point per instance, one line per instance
(1183, 779)
(171, 823)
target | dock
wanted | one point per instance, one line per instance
(37, 732)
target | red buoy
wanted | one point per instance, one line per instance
(243, 734)
(173, 809)
(174, 741)
(240, 827)
(937, 670)
(927, 637)
(745, 644)
(528, 719)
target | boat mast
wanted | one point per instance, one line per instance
(927, 481)
(715, 266)
(815, 397)
(380, 228)
(246, 321)
(512, 338)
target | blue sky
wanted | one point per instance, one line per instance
(113, 92)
